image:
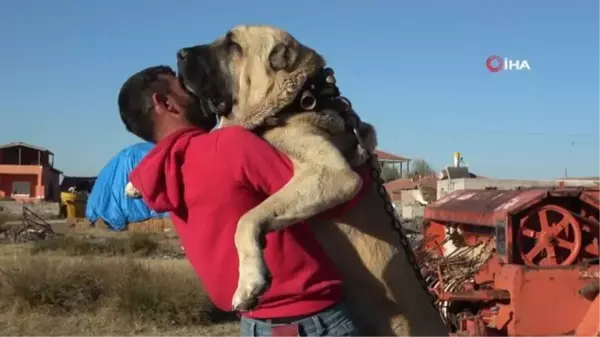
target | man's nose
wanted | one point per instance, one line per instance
(182, 54)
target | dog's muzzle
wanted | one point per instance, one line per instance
(193, 67)
(199, 72)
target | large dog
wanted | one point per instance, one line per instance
(262, 78)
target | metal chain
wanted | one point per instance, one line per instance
(395, 223)
(353, 121)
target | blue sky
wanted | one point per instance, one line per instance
(415, 69)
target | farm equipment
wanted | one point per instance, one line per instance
(30, 228)
(518, 262)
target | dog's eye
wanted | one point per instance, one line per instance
(232, 46)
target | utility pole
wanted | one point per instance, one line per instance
(572, 143)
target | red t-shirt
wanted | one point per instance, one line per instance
(207, 181)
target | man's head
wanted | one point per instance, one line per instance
(152, 104)
(252, 71)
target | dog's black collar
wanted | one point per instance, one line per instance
(319, 93)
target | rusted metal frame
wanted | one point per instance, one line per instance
(475, 295)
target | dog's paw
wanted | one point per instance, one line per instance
(131, 191)
(254, 280)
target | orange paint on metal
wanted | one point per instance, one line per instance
(543, 301)
(475, 295)
(543, 277)
(590, 324)
(549, 235)
(481, 207)
(436, 234)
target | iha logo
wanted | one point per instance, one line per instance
(496, 63)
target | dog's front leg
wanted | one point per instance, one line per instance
(321, 181)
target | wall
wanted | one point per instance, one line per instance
(446, 186)
(48, 177)
(20, 169)
(449, 185)
(411, 212)
(6, 183)
(410, 197)
(51, 184)
(409, 204)
(45, 210)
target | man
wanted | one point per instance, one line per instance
(207, 181)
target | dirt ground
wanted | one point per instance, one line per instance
(95, 282)
(82, 325)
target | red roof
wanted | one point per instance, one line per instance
(400, 185)
(428, 181)
(388, 156)
(395, 186)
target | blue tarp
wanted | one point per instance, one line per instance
(108, 202)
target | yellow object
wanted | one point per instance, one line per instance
(74, 204)
(457, 159)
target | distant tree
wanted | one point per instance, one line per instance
(419, 168)
(389, 173)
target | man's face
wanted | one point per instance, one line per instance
(186, 105)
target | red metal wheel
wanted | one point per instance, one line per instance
(549, 236)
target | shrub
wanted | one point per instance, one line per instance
(166, 295)
(141, 245)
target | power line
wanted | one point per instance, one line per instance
(578, 138)
(533, 133)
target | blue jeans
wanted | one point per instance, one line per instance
(333, 321)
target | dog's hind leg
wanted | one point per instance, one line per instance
(322, 179)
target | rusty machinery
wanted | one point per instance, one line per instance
(514, 262)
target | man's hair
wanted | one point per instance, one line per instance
(135, 100)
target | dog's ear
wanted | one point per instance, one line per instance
(282, 56)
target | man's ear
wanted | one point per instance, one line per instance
(163, 103)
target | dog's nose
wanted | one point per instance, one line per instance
(182, 53)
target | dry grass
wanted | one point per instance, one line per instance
(39, 324)
(150, 225)
(67, 286)
(137, 245)
(4, 218)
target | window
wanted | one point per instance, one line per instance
(21, 188)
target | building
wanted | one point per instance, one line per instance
(78, 184)
(427, 184)
(412, 195)
(399, 163)
(27, 173)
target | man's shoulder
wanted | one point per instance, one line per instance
(232, 135)
(236, 138)
(230, 144)
(233, 132)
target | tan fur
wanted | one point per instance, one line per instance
(382, 289)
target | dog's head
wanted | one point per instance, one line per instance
(249, 74)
